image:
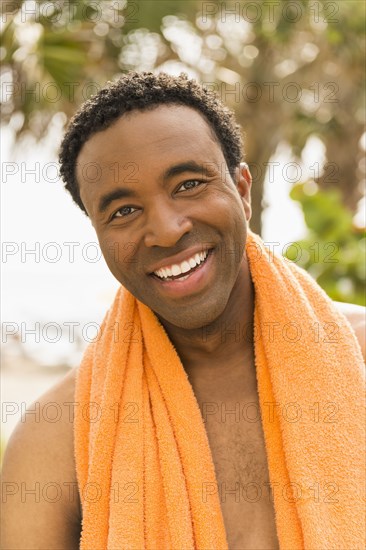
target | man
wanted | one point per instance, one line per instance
(155, 163)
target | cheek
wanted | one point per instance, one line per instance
(112, 251)
(118, 255)
(110, 256)
(231, 219)
(226, 208)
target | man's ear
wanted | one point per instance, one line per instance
(244, 183)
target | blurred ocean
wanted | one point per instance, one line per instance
(47, 322)
(52, 318)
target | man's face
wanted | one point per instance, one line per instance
(173, 199)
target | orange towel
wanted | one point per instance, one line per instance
(141, 448)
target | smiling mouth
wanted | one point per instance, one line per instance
(183, 276)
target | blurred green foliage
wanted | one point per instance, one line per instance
(333, 251)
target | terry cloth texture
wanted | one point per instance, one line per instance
(141, 448)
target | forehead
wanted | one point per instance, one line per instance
(146, 134)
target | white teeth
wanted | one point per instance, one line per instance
(183, 267)
(176, 270)
(196, 258)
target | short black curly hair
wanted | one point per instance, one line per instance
(144, 91)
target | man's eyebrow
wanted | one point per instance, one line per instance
(120, 193)
(188, 166)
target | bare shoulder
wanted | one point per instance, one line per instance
(41, 506)
(356, 316)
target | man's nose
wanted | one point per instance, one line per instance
(165, 225)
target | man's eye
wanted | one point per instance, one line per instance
(190, 184)
(123, 212)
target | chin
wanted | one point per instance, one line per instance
(194, 320)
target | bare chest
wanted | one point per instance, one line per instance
(235, 434)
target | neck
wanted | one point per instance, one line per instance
(228, 339)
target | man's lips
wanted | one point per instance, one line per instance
(178, 258)
(188, 284)
(185, 274)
